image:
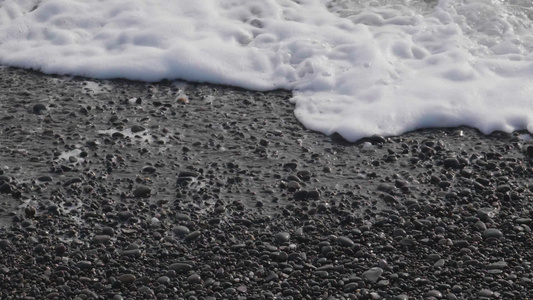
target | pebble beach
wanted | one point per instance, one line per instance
(119, 189)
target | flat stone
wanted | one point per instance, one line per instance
(101, 239)
(373, 274)
(127, 278)
(345, 241)
(180, 267)
(492, 233)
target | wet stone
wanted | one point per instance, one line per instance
(193, 235)
(142, 192)
(282, 237)
(163, 280)
(84, 264)
(434, 293)
(492, 233)
(181, 230)
(39, 109)
(486, 293)
(372, 274)
(180, 267)
(137, 128)
(127, 278)
(194, 278)
(497, 265)
(345, 241)
(101, 239)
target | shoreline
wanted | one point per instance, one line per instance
(140, 195)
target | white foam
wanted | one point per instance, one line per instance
(355, 67)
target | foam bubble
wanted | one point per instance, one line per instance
(355, 67)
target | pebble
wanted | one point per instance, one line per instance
(486, 293)
(180, 267)
(194, 278)
(137, 128)
(193, 235)
(142, 192)
(345, 241)
(282, 237)
(181, 230)
(127, 278)
(372, 274)
(39, 109)
(434, 293)
(163, 280)
(84, 264)
(492, 233)
(101, 239)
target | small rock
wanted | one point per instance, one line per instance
(127, 278)
(180, 267)
(282, 237)
(373, 274)
(181, 230)
(142, 192)
(39, 109)
(101, 239)
(492, 233)
(194, 278)
(345, 241)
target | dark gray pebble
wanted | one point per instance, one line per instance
(127, 278)
(345, 241)
(101, 239)
(434, 293)
(193, 235)
(492, 233)
(39, 109)
(373, 274)
(194, 278)
(181, 230)
(142, 192)
(282, 237)
(180, 267)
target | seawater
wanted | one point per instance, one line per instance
(357, 68)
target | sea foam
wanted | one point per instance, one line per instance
(357, 68)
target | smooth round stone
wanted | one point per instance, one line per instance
(39, 109)
(4, 244)
(163, 280)
(486, 293)
(182, 217)
(181, 230)
(373, 274)
(127, 278)
(345, 241)
(434, 293)
(142, 192)
(145, 290)
(85, 264)
(401, 297)
(137, 128)
(180, 267)
(485, 212)
(193, 235)
(492, 233)
(132, 253)
(282, 237)
(101, 239)
(194, 278)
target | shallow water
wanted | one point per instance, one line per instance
(357, 68)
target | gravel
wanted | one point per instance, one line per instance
(117, 190)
